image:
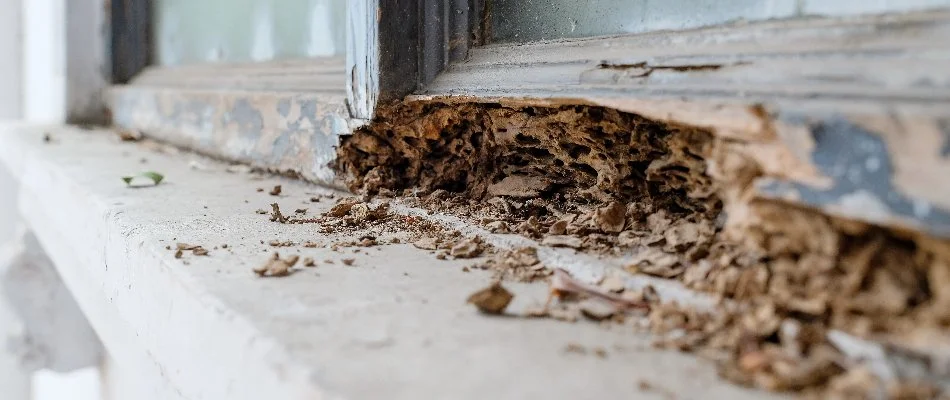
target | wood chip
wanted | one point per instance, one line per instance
(128, 135)
(276, 266)
(655, 262)
(569, 241)
(347, 261)
(276, 215)
(612, 218)
(467, 248)
(491, 300)
(597, 310)
(308, 262)
(275, 191)
(427, 243)
(559, 227)
(342, 208)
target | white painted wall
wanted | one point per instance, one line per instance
(14, 383)
(33, 86)
(44, 60)
(10, 93)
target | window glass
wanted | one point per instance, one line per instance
(198, 31)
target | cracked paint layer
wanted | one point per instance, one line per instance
(286, 132)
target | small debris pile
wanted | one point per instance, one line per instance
(373, 224)
(521, 265)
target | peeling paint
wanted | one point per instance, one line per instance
(859, 162)
(287, 132)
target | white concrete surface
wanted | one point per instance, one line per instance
(82, 384)
(394, 325)
(55, 334)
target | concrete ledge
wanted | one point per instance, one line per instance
(395, 324)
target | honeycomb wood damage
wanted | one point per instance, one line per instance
(675, 198)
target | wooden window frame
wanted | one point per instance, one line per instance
(809, 86)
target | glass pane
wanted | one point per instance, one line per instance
(529, 20)
(197, 31)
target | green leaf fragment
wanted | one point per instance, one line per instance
(154, 176)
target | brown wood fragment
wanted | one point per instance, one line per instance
(491, 300)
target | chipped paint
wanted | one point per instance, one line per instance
(859, 162)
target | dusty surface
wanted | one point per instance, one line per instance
(396, 313)
(611, 183)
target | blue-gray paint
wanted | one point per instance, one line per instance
(248, 117)
(859, 162)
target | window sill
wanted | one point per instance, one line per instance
(394, 324)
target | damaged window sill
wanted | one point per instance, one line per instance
(364, 322)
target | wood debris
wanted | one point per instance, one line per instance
(276, 215)
(653, 261)
(570, 241)
(491, 300)
(275, 191)
(520, 264)
(562, 284)
(276, 266)
(467, 248)
(197, 250)
(129, 135)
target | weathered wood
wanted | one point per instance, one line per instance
(849, 116)
(395, 47)
(88, 66)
